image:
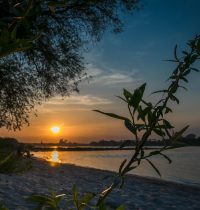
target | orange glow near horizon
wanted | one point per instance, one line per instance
(55, 129)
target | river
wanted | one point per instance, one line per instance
(185, 166)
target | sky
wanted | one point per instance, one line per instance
(124, 60)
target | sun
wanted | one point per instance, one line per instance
(55, 129)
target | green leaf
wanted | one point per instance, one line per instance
(153, 166)
(127, 94)
(159, 132)
(104, 194)
(193, 58)
(184, 79)
(167, 124)
(185, 52)
(174, 98)
(186, 72)
(137, 96)
(171, 60)
(166, 157)
(167, 110)
(130, 168)
(175, 53)
(75, 196)
(121, 98)
(198, 45)
(154, 153)
(121, 207)
(130, 126)
(87, 197)
(6, 159)
(151, 118)
(194, 69)
(112, 115)
(179, 134)
(142, 113)
(149, 104)
(160, 91)
(180, 86)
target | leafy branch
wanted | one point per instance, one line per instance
(146, 118)
(76, 202)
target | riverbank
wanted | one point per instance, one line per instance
(137, 193)
(82, 149)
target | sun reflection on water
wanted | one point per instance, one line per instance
(55, 157)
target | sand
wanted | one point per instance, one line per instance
(137, 193)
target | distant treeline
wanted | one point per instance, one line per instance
(11, 144)
(186, 140)
(190, 139)
(8, 142)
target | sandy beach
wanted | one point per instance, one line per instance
(137, 193)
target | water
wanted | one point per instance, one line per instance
(185, 166)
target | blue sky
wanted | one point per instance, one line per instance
(139, 52)
(126, 60)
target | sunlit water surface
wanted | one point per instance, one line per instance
(185, 166)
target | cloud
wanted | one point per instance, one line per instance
(83, 100)
(93, 71)
(110, 77)
(87, 100)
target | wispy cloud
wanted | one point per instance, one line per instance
(114, 79)
(86, 100)
(108, 76)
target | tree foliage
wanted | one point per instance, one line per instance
(40, 49)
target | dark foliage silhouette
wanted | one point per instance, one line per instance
(41, 46)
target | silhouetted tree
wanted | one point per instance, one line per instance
(40, 49)
(190, 136)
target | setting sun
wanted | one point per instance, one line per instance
(55, 129)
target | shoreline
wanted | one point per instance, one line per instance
(49, 149)
(137, 193)
(131, 176)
